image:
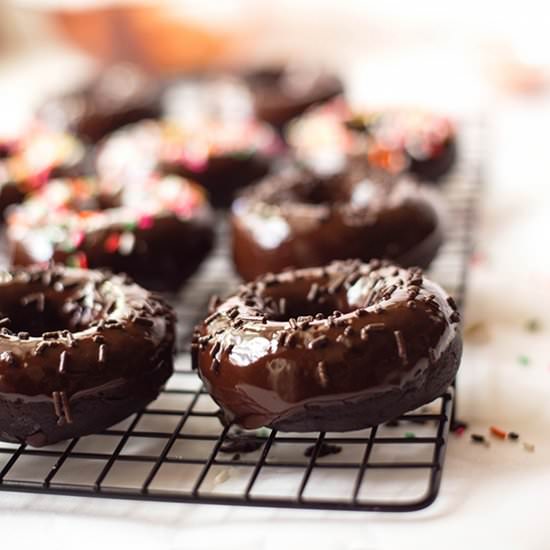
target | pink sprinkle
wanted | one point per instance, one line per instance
(145, 221)
(40, 178)
(459, 431)
(195, 163)
(78, 238)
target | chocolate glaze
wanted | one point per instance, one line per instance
(282, 93)
(301, 219)
(159, 244)
(79, 351)
(337, 348)
(221, 155)
(119, 95)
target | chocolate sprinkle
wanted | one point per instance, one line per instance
(144, 321)
(401, 346)
(101, 354)
(321, 373)
(319, 342)
(62, 362)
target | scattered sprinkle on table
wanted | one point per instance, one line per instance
(497, 432)
(533, 325)
(513, 436)
(523, 360)
(459, 431)
(529, 447)
(410, 435)
(479, 438)
(458, 426)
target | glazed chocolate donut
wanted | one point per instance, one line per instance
(220, 155)
(395, 140)
(284, 92)
(83, 351)
(334, 348)
(29, 161)
(158, 232)
(119, 95)
(301, 219)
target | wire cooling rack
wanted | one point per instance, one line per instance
(177, 450)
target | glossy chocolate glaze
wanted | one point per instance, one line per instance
(302, 219)
(282, 93)
(336, 348)
(221, 155)
(79, 350)
(119, 95)
(159, 249)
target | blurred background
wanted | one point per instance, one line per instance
(456, 57)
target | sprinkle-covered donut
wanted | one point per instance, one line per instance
(157, 232)
(396, 140)
(301, 219)
(29, 161)
(335, 348)
(119, 95)
(220, 155)
(80, 350)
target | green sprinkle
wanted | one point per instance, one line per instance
(410, 435)
(129, 226)
(533, 325)
(523, 360)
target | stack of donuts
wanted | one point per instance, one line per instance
(333, 213)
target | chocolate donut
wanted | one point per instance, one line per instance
(79, 351)
(334, 348)
(396, 140)
(220, 155)
(119, 95)
(28, 162)
(301, 219)
(158, 232)
(284, 92)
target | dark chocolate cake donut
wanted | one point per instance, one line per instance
(301, 219)
(283, 92)
(157, 232)
(221, 155)
(79, 351)
(29, 161)
(119, 95)
(396, 140)
(335, 348)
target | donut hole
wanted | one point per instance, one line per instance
(317, 191)
(290, 302)
(37, 312)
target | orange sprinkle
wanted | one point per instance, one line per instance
(498, 432)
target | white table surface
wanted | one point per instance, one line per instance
(496, 497)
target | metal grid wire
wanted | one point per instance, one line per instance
(177, 450)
